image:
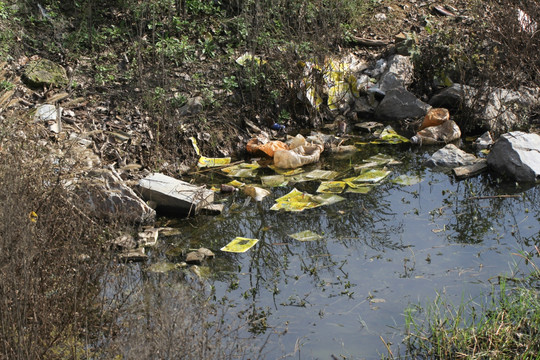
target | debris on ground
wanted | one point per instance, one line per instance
(213, 162)
(437, 128)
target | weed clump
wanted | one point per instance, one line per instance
(506, 327)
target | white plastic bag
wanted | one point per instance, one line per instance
(299, 156)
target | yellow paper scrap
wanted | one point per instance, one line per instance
(306, 235)
(195, 146)
(236, 183)
(33, 216)
(295, 201)
(239, 245)
(213, 162)
(332, 187)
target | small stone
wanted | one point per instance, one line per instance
(194, 257)
(134, 255)
(380, 17)
(125, 242)
(450, 157)
(206, 252)
(148, 237)
(467, 171)
(483, 142)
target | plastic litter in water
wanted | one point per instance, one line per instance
(240, 245)
(306, 235)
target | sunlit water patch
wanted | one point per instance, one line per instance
(343, 289)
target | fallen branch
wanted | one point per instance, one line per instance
(369, 42)
(493, 197)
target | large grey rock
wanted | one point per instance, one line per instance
(399, 73)
(516, 155)
(400, 104)
(504, 110)
(103, 194)
(453, 97)
(499, 110)
(173, 195)
(451, 156)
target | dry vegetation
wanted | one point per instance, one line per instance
(156, 54)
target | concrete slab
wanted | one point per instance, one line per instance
(174, 196)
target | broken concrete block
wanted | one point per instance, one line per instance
(173, 195)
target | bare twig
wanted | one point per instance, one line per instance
(493, 197)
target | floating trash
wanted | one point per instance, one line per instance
(407, 180)
(389, 136)
(273, 180)
(332, 187)
(299, 201)
(295, 201)
(242, 170)
(376, 160)
(306, 235)
(327, 199)
(286, 172)
(321, 175)
(256, 193)
(359, 189)
(239, 245)
(369, 176)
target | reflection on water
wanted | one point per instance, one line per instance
(379, 252)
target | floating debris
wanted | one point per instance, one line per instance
(332, 187)
(239, 245)
(407, 180)
(242, 170)
(286, 172)
(273, 180)
(359, 189)
(369, 176)
(299, 201)
(306, 235)
(295, 201)
(256, 193)
(389, 136)
(321, 175)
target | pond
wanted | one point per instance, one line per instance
(378, 252)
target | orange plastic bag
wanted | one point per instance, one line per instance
(254, 145)
(435, 117)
